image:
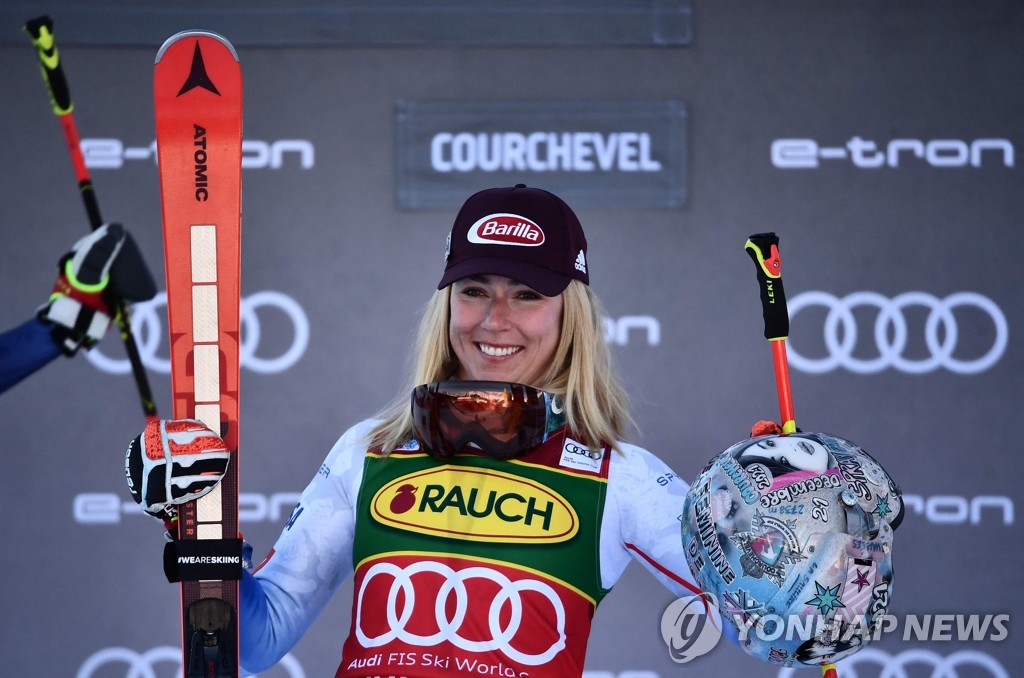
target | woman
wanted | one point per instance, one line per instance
(483, 524)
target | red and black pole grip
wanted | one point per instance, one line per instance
(763, 248)
(40, 30)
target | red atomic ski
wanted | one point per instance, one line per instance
(198, 104)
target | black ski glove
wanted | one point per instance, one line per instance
(101, 268)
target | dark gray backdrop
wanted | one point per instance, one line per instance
(82, 570)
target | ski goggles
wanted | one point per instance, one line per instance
(501, 419)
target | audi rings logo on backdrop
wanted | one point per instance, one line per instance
(144, 664)
(976, 664)
(149, 332)
(399, 613)
(941, 332)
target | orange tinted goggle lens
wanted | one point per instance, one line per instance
(501, 419)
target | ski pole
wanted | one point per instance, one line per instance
(763, 248)
(40, 31)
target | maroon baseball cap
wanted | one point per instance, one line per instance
(524, 233)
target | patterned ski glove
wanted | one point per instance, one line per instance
(171, 463)
(101, 267)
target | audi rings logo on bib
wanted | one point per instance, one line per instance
(429, 602)
(967, 321)
(148, 326)
(506, 229)
(475, 504)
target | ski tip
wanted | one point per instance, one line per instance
(195, 34)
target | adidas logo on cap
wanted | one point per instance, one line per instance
(581, 262)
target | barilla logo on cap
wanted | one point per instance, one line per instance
(506, 229)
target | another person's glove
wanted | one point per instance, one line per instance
(101, 268)
(174, 462)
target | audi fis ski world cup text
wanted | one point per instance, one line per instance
(869, 662)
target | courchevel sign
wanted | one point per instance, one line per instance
(615, 153)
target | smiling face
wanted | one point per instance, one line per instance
(502, 330)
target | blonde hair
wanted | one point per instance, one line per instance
(597, 409)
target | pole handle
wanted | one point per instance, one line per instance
(763, 248)
(40, 31)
